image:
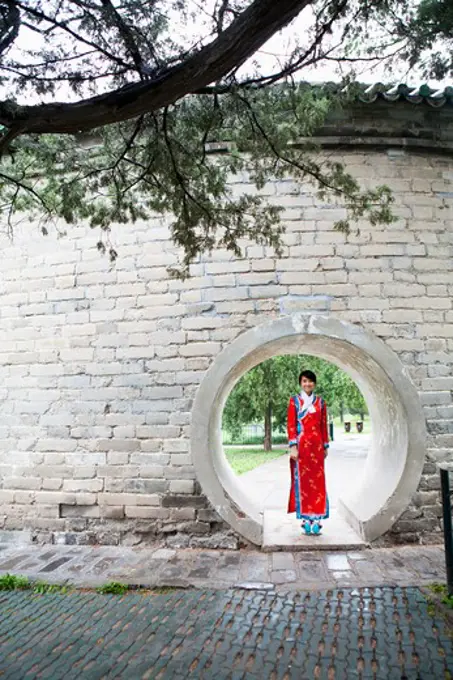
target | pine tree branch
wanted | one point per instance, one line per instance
(126, 34)
(7, 138)
(20, 185)
(253, 27)
(10, 22)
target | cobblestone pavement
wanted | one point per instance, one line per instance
(157, 566)
(379, 633)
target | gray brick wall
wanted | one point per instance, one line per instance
(100, 362)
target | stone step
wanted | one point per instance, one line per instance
(19, 538)
(283, 532)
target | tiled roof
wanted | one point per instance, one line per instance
(415, 95)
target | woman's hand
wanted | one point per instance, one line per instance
(293, 452)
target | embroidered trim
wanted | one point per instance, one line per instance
(315, 517)
(297, 489)
(301, 413)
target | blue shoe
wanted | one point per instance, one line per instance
(307, 527)
(316, 528)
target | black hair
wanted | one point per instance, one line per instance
(309, 375)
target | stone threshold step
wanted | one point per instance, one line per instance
(283, 532)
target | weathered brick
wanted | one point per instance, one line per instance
(430, 398)
(402, 316)
(117, 458)
(406, 344)
(258, 279)
(127, 353)
(117, 444)
(179, 486)
(181, 514)
(368, 303)
(436, 330)
(86, 498)
(267, 264)
(153, 471)
(221, 294)
(402, 290)
(79, 511)
(83, 485)
(50, 484)
(147, 486)
(142, 512)
(50, 498)
(183, 501)
(196, 349)
(202, 322)
(270, 291)
(236, 266)
(208, 515)
(22, 482)
(297, 264)
(112, 511)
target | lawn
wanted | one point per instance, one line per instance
(246, 459)
(279, 438)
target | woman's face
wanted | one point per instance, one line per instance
(307, 385)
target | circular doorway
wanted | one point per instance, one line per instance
(394, 465)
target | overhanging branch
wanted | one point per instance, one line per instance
(246, 34)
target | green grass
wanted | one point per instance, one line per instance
(113, 588)
(438, 588)
(244, 460)
(13, 582)
(280, 438)
(41, 587)
(246, 439)
(441, 589)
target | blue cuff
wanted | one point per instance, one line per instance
(292, 442)
(326, 446)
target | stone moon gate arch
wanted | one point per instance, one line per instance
(395, 463)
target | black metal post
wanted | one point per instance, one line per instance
(331, 431)
(448, 530)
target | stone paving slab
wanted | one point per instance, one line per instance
(379, 633)
(283, 532)
(157, 566)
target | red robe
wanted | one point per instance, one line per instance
(308, 496)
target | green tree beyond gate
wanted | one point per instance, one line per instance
(261, 395)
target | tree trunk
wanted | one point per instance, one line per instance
(362, 417)
(268, 428)
(342, 412)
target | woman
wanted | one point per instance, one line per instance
(308, 445)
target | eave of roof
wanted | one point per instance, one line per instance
(402, 92)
